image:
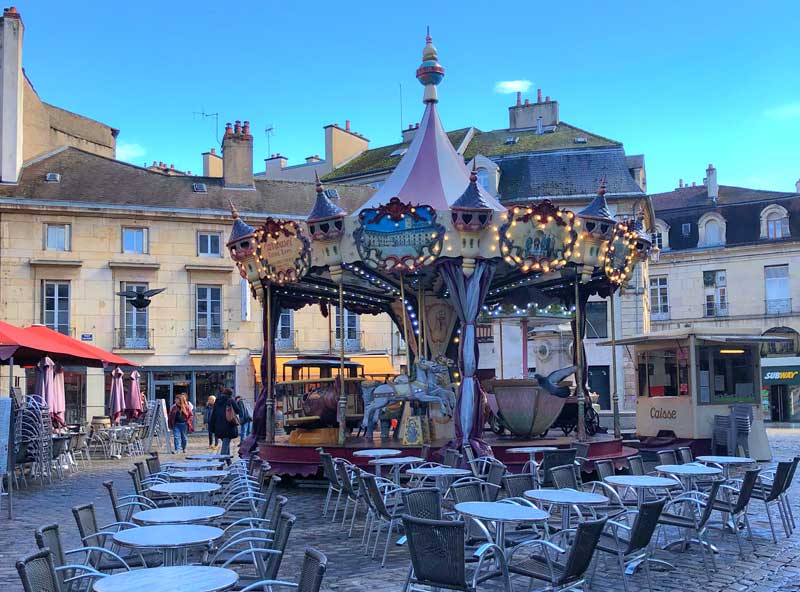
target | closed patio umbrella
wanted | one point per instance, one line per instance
(117, 396)
(58, 406)
(133, 398)
(44, 381)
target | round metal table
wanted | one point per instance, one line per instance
(641, 483)
(500, 514)
(378, 452)
(172, 539)
(687, 473)
(440, 474)
(532, 451)
(564, 499)
(186, 578)
(208, 457)
(193, 465)
(726, 462)
(189, 492)
(177, 515)
(199, 474)
(395, 462)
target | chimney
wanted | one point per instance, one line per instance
(212, 164)
(237, 156)
(527, 115)
(408, 134)
(274, 164)
(313, 158)
(711, 183)
(11, 86)
(797, 186)
(680, 183)
(519, 98)
(347, 125)
(342, 144)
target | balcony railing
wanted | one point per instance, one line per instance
(485, 333)
(660, 315)
(133, 338)
(286, 340)
(715, 310)
(352, 342)
(778, 306)
(210, 338)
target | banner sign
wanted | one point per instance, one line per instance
(283, 251)
(538, 238)
(440, 320)
(398, 236)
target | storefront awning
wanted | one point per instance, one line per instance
(742, 336)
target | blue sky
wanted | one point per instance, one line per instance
(685, 83)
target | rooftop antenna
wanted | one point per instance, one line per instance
(401, 105)
(205, 115)
(269, 131)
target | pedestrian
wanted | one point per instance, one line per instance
(225, 420)
(245, 416)
(180, 422)
(207, 421)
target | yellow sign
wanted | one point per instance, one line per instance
(283, 251)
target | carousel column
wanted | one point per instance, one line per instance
(342, 406)
(267, 377)
(524, 330)
(614, 391)
(579, 392)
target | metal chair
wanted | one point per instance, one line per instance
(685, 455)
(564, 478)
(605, 468)
(737, 509)
(384, 508)
(517, 485)
(351, 488)
(447, 567)
(768, 476)
(334, 486)
(423, 502)
(667, 457)
(636, 465)
(770, 491)
(560, 567)
(554, 458)
(631, 543)
(311, 574)
(452, 458)
(130, 502)
(38, 574)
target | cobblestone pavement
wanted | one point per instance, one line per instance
(772, 567)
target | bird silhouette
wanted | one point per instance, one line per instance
(140, 299)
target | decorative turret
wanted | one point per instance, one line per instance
(430, 72)
(242, 247)
(598, 228)
(326, 227)
(471, 215)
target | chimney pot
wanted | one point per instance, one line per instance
(694, 183)
(347, 124)
(154, 163)
(547, 99)
(237, 127)
(680, 183)
(519, 98)
(246, 128)
(172, 166)
(228, 129)
(538, 95)
(213, 151)
(527, 101)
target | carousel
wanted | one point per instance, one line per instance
(435, 251)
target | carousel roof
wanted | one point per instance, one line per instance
(431, 172)
(598, 207)
(324, 208)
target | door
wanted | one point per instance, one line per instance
(599, 378)
(163, 390)
(778, 402)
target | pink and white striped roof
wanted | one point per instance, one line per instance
(431, 172)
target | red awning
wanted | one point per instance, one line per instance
(79, 348)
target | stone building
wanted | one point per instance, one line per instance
(729, 260)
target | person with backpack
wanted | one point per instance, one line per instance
(180, 422)
(225, 419)
(245, 416)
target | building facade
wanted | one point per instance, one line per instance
(729, 260)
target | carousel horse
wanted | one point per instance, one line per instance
(431, 385)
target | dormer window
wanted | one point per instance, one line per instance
(660, 235)
(774, 222)
(711, 228)
(483, 178)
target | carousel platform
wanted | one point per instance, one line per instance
(293, 460)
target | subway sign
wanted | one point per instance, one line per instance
(785, 375)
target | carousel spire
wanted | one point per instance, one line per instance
(471, 198)
(430, 72)
(324, 208)
(598, 208)
(240, 228)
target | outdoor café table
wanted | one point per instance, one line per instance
(726, 462)
(395, 463)
(532, 451)
(172, 539)
(564, 499)
(440, 474)
(208, 457)
(641, 483)
(185, 578)
(176, 515)
(193, 464)
(500, 514)
(199, 475)
(187, 491)
(377, 453)
(688, 472)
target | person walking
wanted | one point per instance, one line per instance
(180, 422)
(245, 416)
(207, 421)
(225, 420)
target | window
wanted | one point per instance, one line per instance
(711, 227)
(133, 333)
(483, 178)
(208, 322)
(352, 341)
(284, 336)
(775, 222)
(596, 320)
(776, 289)
(55, 306)
(716, 293)
(660, 235)
(686, 229)
(208, 244)
(659, 298)
(57, 237)
(134, 240)
(657, 239)
(663, 373)
(725, 375)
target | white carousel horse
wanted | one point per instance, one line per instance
(431, 385)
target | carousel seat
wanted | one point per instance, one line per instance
(302, 421)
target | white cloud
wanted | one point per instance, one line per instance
(787, 111)
(506, 87)
(128, 152)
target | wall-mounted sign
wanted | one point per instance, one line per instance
(283, 251)
(538, 238)
(781, 375)
(399, 236)
(618, 260)
(87, 337)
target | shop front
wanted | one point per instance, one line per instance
(780, 392)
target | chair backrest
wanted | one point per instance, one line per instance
(109, 485)
(517, 485)
(268, 494)
(746, 490)
(494, 474)
(605, 468)
(667, 457)
(452, 458)
(423, 502)
(48, 537)
(344, 479)
(555, 458)
(142, 471)
(328, 468)
(153, 464)
(580, 553)
(373, 493)
(86, 519)
(37, 572)
(312, 571)
(277, 509)
(792, 471)
(445, 567)
(279, 539)
(645, 524)
(709, 507)
(685, 454)
(779, 481)
(564, 476)
(137, 482)
(636, 465)
(470, 491)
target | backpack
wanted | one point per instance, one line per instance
(230, 415)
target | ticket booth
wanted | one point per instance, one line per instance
(685, 378)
